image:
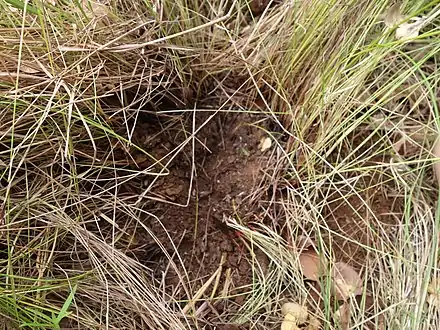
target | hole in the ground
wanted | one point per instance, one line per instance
(217, 173)
(226, 170)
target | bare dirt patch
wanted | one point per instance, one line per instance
(358, 220)
(225, 181)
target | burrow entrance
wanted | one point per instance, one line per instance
(217, 175)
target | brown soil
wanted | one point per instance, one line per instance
(227, 173)
(357, 219)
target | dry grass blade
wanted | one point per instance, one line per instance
(436, 152)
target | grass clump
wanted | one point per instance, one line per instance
(354, 113)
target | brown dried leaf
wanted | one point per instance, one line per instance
(347, 282)
(311, 264)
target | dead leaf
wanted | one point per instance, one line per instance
(289, 323)
(300, 313)
(311, 265)
(410, 30)
(347, 282)
(436, 153)
(265, 144)
(393, 16)
(342, 315)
